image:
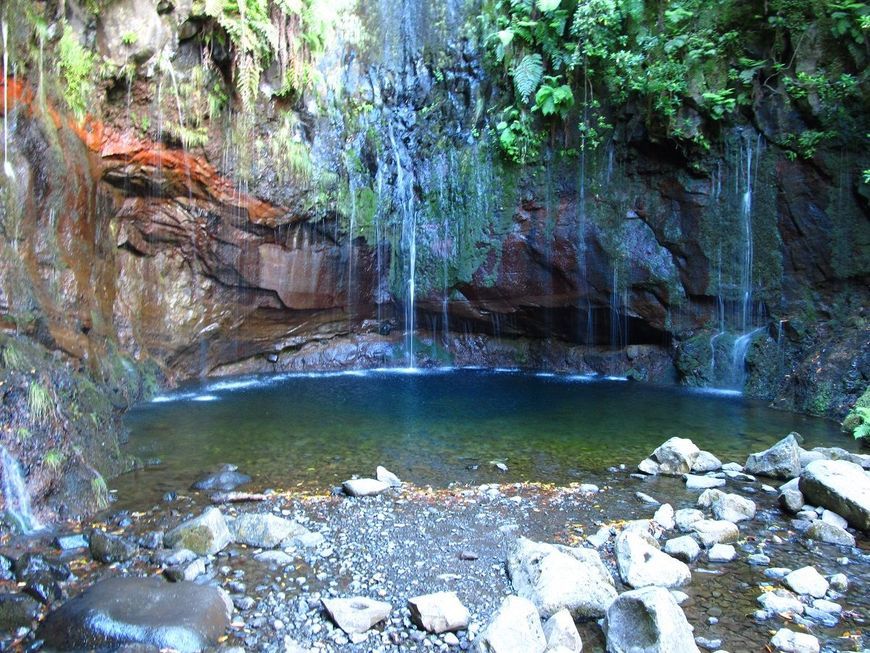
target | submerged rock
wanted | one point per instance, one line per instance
(841, 486)
(515, 628)
(358, 614)
(204, 535)
(694, 482)
(782, 460)
(227, 478)
(148, 611)
(648, 620)
(559, 577)
(641, 565)
(440, 612)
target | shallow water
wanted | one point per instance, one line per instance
(315, 430)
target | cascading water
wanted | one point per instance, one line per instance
(15, 495)
(7, 166)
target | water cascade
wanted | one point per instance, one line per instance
(7, 166)
(15, 494)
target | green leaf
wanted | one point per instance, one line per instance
(527, 75)
(548, 5)
(506, 36)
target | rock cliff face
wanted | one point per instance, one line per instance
(314, 233)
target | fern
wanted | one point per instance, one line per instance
(527, 75)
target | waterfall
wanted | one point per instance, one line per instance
(738, 358)
(15, 494)
(7, 166)
(405, 191)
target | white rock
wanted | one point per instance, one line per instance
(645, 498)
(830, 517)
(676, 456)
(782, 460)
(781, 601)
(706, 462)
(694, 482)
(789, 641)
(561, 633)
(265, 530)
(648, 619)
(827, 606)
(722, 553)
(558, 577)
(710, 532)
(439, 612)
(683, 548)
(358, 614)
(840, 582)
(727, 506)
(686, 517)
(829, 533)
(648, 466)
(664, 516)
(515, 628)
(364, 487)
(641, 565)
(384, 475)
(204, 535)
(807, 580)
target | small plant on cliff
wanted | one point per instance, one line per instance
(858, 420)
(76, 67)
(40, 402)
(13, 359)
(100, 491)
(53, 459)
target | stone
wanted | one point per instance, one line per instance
(827, 606)
(17, 611)
(836, 453)
(384, 475)
(33, 564)
(781, 601)
(648, 620)
(789, 641)
(70, 542)
(357, 614)
(265, 530)
(642, 528)
(840, 486)
(515, 628)
(364, 487)
(830, 534)
(648, 466)
(821, 617)
(561, 633)
(109, 548)
(664, 517)
(706, 462)
(758, 559)
(839, 582)
(676, 456)
(830, 517)
(152, 32)
(683, 548)
(732, 467)
(727, 506)
(204, 535)
(147, 611)
(694, 482)
(274, 558)
(807, 457)
(807, 580)
(715, 531)
(641, 565)
(782, 460)
(791, 499)
(685, 518)
(189, 571)
(438, 613)
(721, 553)
(560, 577)
(645, 498)
(777, 573)
(226, 478)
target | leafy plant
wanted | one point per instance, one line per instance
(76, 68)
(554, 99)
(527, 75)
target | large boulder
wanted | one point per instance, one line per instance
(440, 612)
(357, 614)
(558, 577)
(807, 580)
(782, 460)
(204, 535)
(648, 620)
(148, 611)
(840, 486)
(641, 565)
(264, 530)
(515, 628)
(789, 641)
(727, 506)
(829, 533)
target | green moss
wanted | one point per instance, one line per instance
(821, 400)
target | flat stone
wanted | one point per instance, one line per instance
(265, 530)
(710, 532)
(364, 487)
(560, 577)
(721, 553)
(70, 542)
(148, 611)
(276, 558)
(204, 535)
(789, 641)
(515, 628)
(641, 565)
(758, 559)
(683, 548)
(781, 601)
(561, 634)
(645, 498)
(827, 606)
(648, 619)
(807, 580)
(694, 482)
(840, 486)
(777, 573)
(648, 466)
(440, 612)
(357, 614)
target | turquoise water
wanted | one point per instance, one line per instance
(437, 427)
